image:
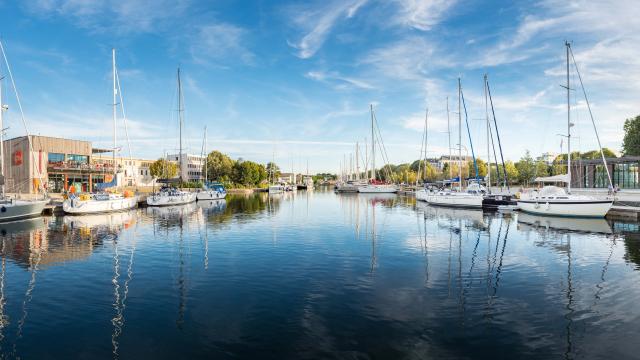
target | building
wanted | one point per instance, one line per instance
(136, 172)
(192, 166)
(288, 178)
(56, 164)
(454, 159)
(593, 174)
(547, 157)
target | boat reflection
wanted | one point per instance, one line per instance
(123, 219)
(529, 221)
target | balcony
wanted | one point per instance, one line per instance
(79, 166)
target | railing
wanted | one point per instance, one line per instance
(75, 165)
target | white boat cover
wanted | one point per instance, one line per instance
(553, 179)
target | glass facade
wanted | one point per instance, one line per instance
(55, 183)
(82, 159)
(626, 176)
(55, 158)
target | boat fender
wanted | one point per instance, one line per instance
(537, 206)
(3, 209)
(548, 206)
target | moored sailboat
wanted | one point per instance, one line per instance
(374, 186)
(556, 201)
(209, 191)
(104, 201)
(14, 209)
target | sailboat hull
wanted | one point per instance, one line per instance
(377, 189)
(168, 200)
(455, 200)
(210, 195)
(91, 206)
(21, 209)
(570, 208)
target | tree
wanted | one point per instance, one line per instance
(512, 171)
(631, 140)
(471, 170)
(273, 170)
(248, 173)
(542, 169)
(219, 166)
(163, 169)
(526, 169)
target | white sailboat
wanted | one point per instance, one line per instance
(209, 191)
(473, 195)
(168, 195)
(422, 194)
(374, 186)
(14, 209)
(556, 201)
(104, 201)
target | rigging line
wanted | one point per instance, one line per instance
(24, 122)
(124, 116)
(493, 112)
(493, 145)
(420, 157)
(584, 92)
(466, 120)
(383, 148)
(27, 299)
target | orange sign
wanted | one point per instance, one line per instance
(17, 157)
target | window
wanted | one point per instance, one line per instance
(55, 158)
(82, 159)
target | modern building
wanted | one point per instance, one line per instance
(593, 174)
(454, 160)
(56, 164)
(192, 166)
(288, 178)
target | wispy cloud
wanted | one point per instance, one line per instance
(132, 16)
(220, 44)
(317, 23)
(339, 81)
(422, 14)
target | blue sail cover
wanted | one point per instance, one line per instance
(106, 185)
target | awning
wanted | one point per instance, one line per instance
(553, 179)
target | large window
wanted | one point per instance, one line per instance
(626, 176)
(601, 179)
(81, 159)
(55, 183)
(55, 158)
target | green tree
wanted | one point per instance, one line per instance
(163, 169)
(631, 140)
(512, 171)
(248, 173)
(526, 169)
(542, 169)
(273, 170)
(219, 166)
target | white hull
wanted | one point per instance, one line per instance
(455, 199)
(276, 189)
(92, 206)
(422, 195)
(377, 189)
(210, 195)
(563, 223)
(21, 209)
(165, 199)
(90, 221)
(570, 207)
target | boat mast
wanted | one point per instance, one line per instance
(115, 105)
(486, 113)
(460, 133)
(357, 161)
(206, 156)
(2, 109)
(373, 148)
(449, 134)
(426, 133)
(180, 123)
(568, 123)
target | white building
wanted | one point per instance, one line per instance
(548, 157)
(192, 166)
(136, 172)
(288, 178)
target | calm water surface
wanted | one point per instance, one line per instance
(318, 275)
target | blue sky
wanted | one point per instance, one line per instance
(295, 79)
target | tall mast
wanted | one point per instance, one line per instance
(373, 148)
(426, 132)
(366, 158)
(449, 133)
(460, 133)
(115, 91)
(180, 122)
(206, 156)
(357, 161)
(2, 109)
(486, 113)
(568, 123)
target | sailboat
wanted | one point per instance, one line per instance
(375, 186)
(14, 209)
(104, 201)
(556, 201)
(168, 195)
(423, 194)
(473, 195)
(209, 191)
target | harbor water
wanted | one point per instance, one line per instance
(318, 275)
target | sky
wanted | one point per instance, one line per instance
(293, 80)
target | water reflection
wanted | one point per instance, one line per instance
(315, 276)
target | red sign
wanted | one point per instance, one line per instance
(17, 157)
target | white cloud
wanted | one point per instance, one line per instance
(339, 81)
(318, 22)
(220, 43)
(422, 14)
